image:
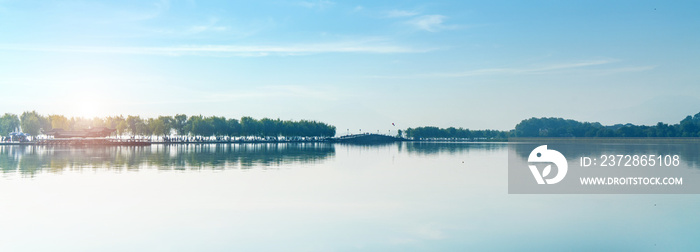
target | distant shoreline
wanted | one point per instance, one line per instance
(353, 139)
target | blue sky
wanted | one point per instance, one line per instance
(354, 64)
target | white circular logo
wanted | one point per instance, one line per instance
(542, 155)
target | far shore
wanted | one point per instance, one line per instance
(350, 139)
(361, 139)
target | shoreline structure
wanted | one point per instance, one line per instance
(352, 139)
(349, 139)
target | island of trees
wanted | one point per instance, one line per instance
(559, 127)
(193, 126)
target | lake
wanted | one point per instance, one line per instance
(315, 197)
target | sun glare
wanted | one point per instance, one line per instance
(86, 108)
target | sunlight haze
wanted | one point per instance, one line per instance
(356, 65)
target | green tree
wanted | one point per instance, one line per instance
(199, 126)
(249, 126)
(59, 122)
(8, 123)
(132, 123)
(157, 126)
(218, 125)
(122, 127)
(268, 127)
(97, 122)
(162, 125)
(179, 123)
(116, 122)
(33, 123)
(142, 128)
(689, 127)
(234, 128)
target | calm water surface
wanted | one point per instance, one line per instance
(314, 197)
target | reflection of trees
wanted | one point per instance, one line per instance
(688, 151)
(429, 148)
(33, 159)
(9, 158)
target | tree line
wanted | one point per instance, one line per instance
(558, 127)
(34, 124)
(451, 132)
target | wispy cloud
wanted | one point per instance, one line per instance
(565, 66)
(431, 23)
(184, 95)
(211, 26)
(400, 13)
(525, 70)
(545, 69)
(156, 9)
(204, 28)
(320, 4)
(227, 50)
(625, 69)
(275, 91)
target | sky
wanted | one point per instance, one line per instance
(358, 65)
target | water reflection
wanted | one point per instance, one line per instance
(29, 160)
(32, 159)
(400, 197)
(430, 148)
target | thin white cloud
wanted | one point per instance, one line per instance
(227, 50)
(183, 95)
(320, 4)
(205, 28)
(525, 70)
(568, 65)
(275, 91)
(546, 69)
(211, 26)
(400, 13)
(431, 23)
(626, 69)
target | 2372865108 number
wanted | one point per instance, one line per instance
(640, 160)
